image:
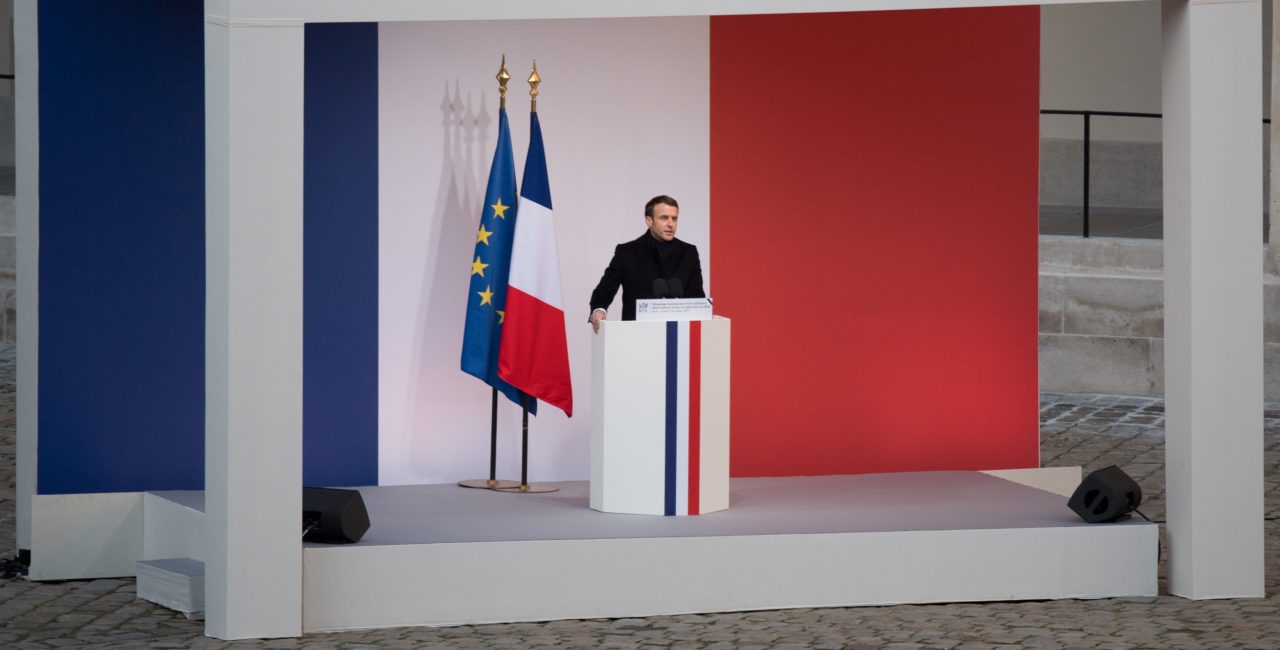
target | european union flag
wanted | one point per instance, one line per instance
(490, 266)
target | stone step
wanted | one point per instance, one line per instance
(1115, 287)
(176, 583)
(1101, 256)
(1101, 317)
(1115, 365)
(1099, 305)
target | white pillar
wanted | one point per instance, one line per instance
(27, 181)
(253, 325)
(1270, 103)
(1213, 257)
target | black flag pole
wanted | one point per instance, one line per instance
(524, 486)
(524, 445)
(491, 483)
(493, 441)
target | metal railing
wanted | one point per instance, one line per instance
(1088, 115)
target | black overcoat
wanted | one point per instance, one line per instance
(634, 267)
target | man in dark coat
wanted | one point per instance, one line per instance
(655, 254)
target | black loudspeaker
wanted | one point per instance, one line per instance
(333, 515)
(1105, 495)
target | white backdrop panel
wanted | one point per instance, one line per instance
(624, 106)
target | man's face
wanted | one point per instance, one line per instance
(662, 225)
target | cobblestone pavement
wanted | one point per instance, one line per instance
(1089, 430)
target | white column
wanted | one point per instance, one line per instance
(253, 325)
(27, 172)
(1270, 102)
(1213, 257)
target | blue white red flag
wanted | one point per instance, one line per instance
(490, 269)
(535, 354)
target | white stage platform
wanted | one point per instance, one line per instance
(440, 554)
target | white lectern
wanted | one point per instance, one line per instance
(660, 417)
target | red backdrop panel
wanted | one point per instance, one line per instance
(874, 188)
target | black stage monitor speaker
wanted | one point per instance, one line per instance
(333, 515)
(1105, 495)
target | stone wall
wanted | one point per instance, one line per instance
(1102, 317)
(8, 266)
(1122, 174)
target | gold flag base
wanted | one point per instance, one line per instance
(488, 484)
(529, 488)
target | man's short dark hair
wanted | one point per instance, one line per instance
(661, 198)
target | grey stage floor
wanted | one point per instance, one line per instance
(434, 514)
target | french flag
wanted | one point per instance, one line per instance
(534, 355)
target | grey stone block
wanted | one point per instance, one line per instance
(1100, 364)
(8, 253)
(1271, 372)
(1156, 350)
(1121, 173)
(7, 134)
(1051, 304)
(8, 215)
(1271, 312)
(1113, 306)
(1060, 171)
(1127, 174)
(1140, 257)
(9, 319)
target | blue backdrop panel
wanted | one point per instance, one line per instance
(121, 386)
(340, 372)
(121, 389)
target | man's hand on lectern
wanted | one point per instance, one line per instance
(596, 316)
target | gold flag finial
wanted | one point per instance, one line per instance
(503, 77)
(534, 80)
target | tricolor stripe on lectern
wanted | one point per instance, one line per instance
(695, 416)
(683, 412)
